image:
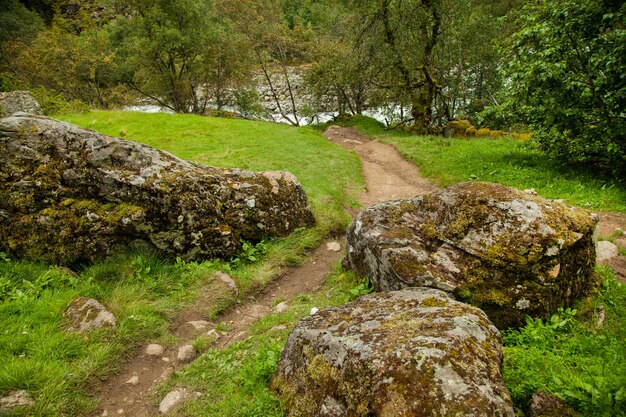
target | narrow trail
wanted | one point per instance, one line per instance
(388, 177)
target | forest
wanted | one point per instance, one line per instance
(554, 68)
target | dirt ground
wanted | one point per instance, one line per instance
(388, 177)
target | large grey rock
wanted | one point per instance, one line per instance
(84, 314)
(415, 352)
(68, 194)
(508, 252)
(14, 102)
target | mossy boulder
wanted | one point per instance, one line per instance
(72, 195)
(415, 352)
(510, 253)
(18, 102)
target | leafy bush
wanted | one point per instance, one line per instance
(567, 79)
(569, 356)
(55, 103)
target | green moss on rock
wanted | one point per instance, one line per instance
(73, 195)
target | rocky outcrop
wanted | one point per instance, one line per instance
(415, 352)
(70, 195)
(507, 252)
(18, 102)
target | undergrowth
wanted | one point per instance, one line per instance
(578, 354)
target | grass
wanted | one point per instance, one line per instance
(506, 161)
(143, 290)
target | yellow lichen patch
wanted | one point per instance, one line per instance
(321, 371)
(429, 230)
(433, 302)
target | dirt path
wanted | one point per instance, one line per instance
(387, 176)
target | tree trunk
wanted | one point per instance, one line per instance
(422, 107)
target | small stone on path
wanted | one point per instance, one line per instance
(186, 353)
(333, 246)
(314, 310)
(154, 349)
(14, 400)
(605, 250)
(172, 399)
(226, 279)
(199, 324)
(213, 334)
(120, 411)
(133, 381)
(281, 307)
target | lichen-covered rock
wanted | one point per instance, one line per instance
(84, 314)
(415, 352)
(71, 195)
(18, 102)
(510, 253)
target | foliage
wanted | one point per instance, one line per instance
(17, 22)
(163, 51)
(569, 356)
(68, 66)
(249, 252)
(566, 79)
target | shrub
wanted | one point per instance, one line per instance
(567, 79)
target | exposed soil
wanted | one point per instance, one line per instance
(388, 177)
